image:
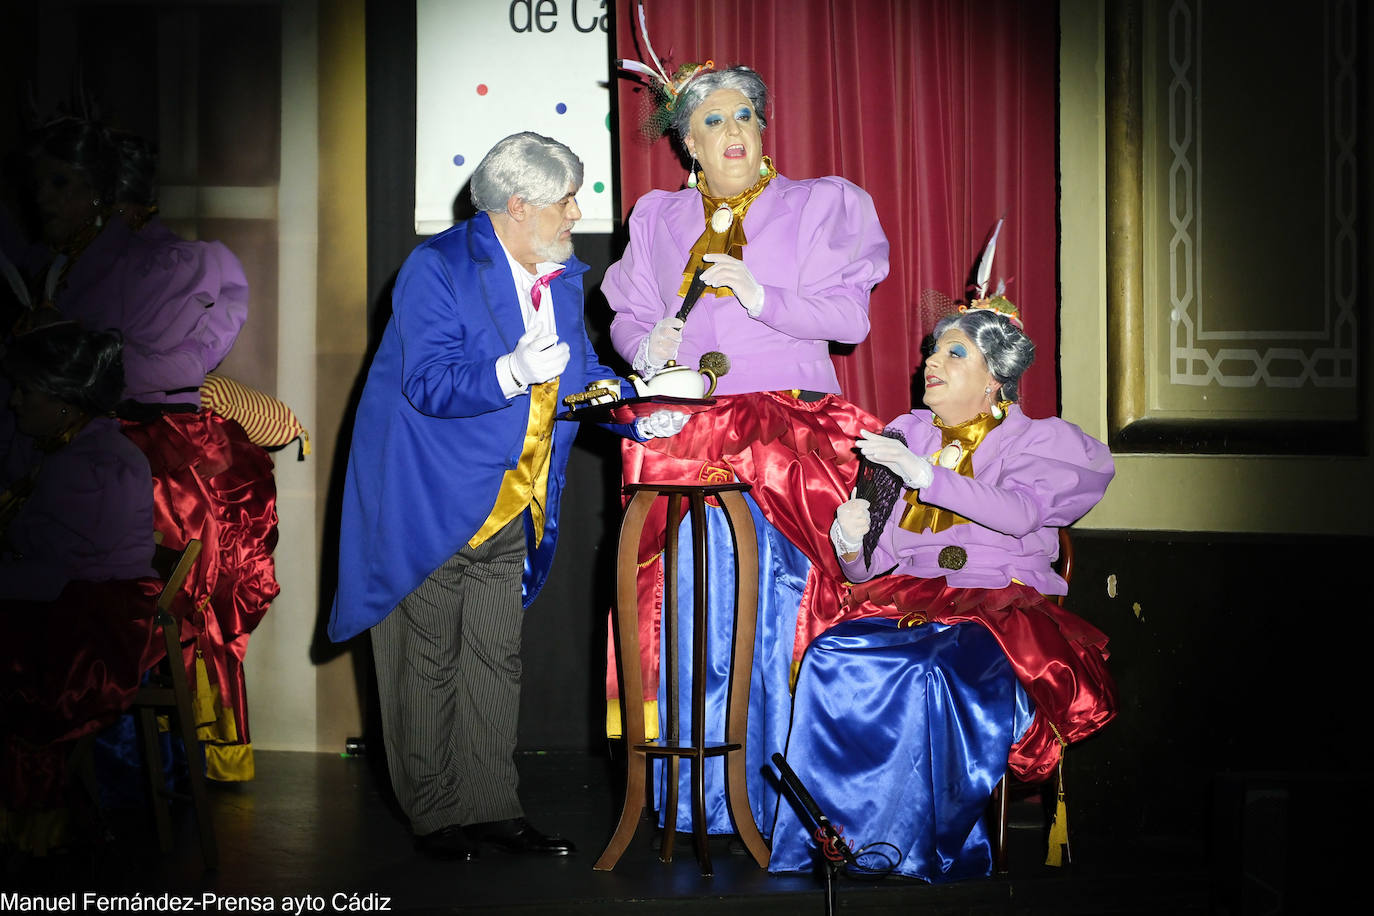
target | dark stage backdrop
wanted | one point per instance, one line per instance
(945, 111)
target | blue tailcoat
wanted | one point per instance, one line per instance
(434, 432)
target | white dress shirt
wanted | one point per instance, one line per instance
(540, 319)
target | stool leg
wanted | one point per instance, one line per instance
(741, 670)
(699, 631)
(1002, 801)
(632, 691)
(668, 675)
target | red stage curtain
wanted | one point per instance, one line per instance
(943, 110)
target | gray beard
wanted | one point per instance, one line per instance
(555, 251)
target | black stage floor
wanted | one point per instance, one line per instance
(321, 829)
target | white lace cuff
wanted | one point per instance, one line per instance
(643, 364)
(843, 545)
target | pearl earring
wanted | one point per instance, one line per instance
(692, 174)
(996, 410)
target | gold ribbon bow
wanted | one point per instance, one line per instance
(732, 240)
(964, 438)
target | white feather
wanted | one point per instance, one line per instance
(985, 263)
(635, 66)
(653, 56)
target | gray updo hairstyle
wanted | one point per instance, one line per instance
(82, 368)
(742, 79)
(85, 146)
(1005, 347)
(535, 168)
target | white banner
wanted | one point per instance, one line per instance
(486, 69)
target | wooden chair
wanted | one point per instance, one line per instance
(1001, 797)
(166, 690)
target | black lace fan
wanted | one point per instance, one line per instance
(881, 487)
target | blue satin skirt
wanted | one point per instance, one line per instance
(901, 735)
(782, 576)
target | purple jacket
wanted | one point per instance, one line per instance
(816, 247)
(90, 515)
(1030, 477)
(179, 305)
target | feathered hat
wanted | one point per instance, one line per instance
(935, 305)
(998, 301)
(666, 88)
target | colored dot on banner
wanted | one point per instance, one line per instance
(561, 108)
(458, 159)
(599, 187)
(481, 88)
(608, 122)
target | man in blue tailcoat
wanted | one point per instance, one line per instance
(450, 512)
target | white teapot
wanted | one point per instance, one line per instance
(676, 381)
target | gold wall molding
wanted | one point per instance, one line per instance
(1235, 269)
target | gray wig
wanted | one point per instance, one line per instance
(746, 81)
(77, 367)
(1005, 347)
(85, 146)
(535, 168)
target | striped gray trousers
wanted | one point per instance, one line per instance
(448, 677)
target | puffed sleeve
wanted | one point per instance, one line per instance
(840, 254)
(185, 303)
(90, 516)
(1054, 476)
(630, 284)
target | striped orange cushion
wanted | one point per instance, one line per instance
(267, 421)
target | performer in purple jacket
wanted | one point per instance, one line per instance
(949, 663)
(178, 304)
(788, 266)
(77, 586)
(99, 257)
(790, 273)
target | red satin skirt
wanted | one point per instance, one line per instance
(68, 668)
(798, 458)
(210, 482)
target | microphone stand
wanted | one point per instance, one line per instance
(834, 849)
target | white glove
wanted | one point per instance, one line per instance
(537, 358)
(655, 350)
(914, 470)
(661, 424)
(731, 272)
(663, 342)
(851, 524)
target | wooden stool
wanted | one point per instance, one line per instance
(640, 750)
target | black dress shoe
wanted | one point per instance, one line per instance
(451, 842)
(519, 835)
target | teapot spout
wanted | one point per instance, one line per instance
(641, 389)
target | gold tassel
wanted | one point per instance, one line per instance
(1059, 851)
(203, 700)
